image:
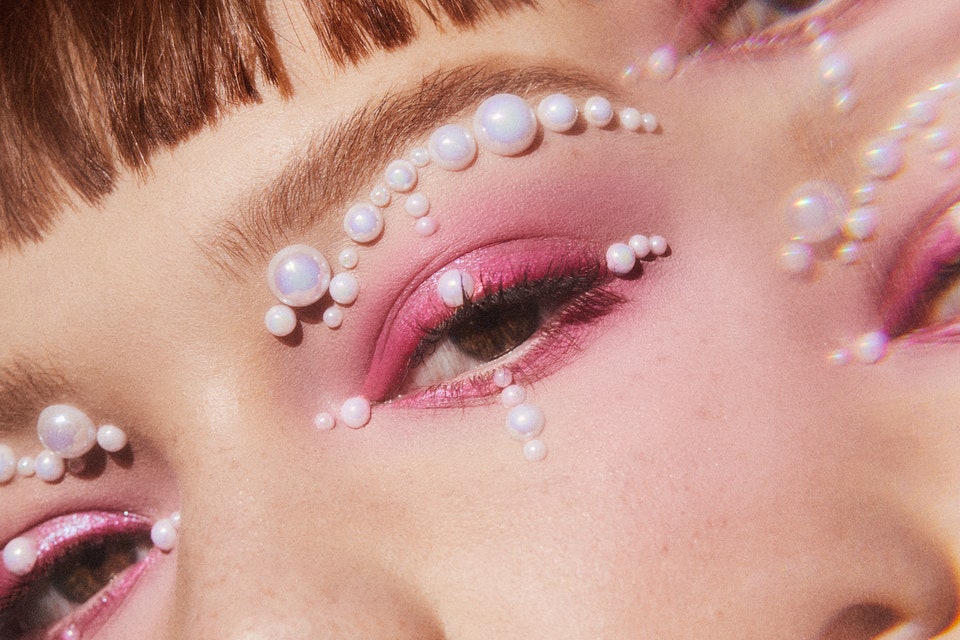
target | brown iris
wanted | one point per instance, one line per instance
(493, 330)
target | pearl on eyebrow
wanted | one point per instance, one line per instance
(298, 275)
(598, 111)
(505, 125)
(66, 431)
(557, 113)
(452, 147)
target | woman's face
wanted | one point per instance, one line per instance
(709, 471)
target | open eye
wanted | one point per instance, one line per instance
(726, 22)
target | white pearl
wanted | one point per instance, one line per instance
(505, 125)
(557, 112)
(650, 122)
(355, 412)
(814, 211)
(883, 158)
(866, 193)
(870, 347)
(66, 431)
(512, 395)
(839, 357)
(861, 223)
(631, 119)
(8, 464)
(280, 320)
(175, 520)
(937, 139)
(425, 226)
(534, 450)
(502, 378)
(947, 159)
(333, 317)
(598, 111)
(416, 205)
(349, 258)
(26, 466)
(658, 245)
(848, 252)
(620, 258)
(452, 147)
(662, 63)
(163, 534)
(524, 422)
(401, 175)
(836, 70)
(455, 287)
(20, 556)
(380, 196)
(49, 467)
(420, 157)
(795, 257)
(344, 288)
(111, 438)
(298, 275)
(640, 245)
(363, 223)
(845, 101)
(324, 421)
(824, 44)
(921, 111)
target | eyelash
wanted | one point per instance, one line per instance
(734, 23)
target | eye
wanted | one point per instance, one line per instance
(728, 22)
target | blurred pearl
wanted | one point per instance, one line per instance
(658, 245)
(662, 63)
(534, 450)
(870, 347)
(598, 111)
(380, 196)
(839, 357)
(344, 288)
(420, 157)
(455, 286)
(349, 258)
(861, 223)
(814, 211)
(363, 223)
(866, 194)
(502, 378)
(557, 112)
(824, 44)
(524, 422)
(8, 464)
(848, 252)
(298, 275)
(324, 421)
(937, 139)
(650, 122)
(795, 257)
(845, 101)
(947, 159)
(620, 258)
(452, 147)
(280, 320)
(20, 556)
(416, 205)
(921, 111)
(631, 119)
(72, 632)
(836, 70)
(640, 245)
(512, 395)
(401, 175)
(505, 125)
(49, 467)
(175, 520)
(111, 438)
(26, 466)
(425, 226)
(883, 158)
(333, 317)
(164, 535)
(66, 431)
(355, 412)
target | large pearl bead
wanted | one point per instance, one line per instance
(66, 431)
(298, 275)
(505, 124)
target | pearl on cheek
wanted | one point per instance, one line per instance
(344, 288)
(280, 320)
(380, 196)
(455, 287)
(631, 119)
(848, 252)
(26, 467)
(836, 70)
(333, 317)
(861, 223)
(425, 226)
(658, 245)
(66, 431)
(534, 450)
(111, 438)
(416, 205)
(620, 258)
(452, 147)
(505, 125)
(524, 422)
(512, 396)
(640, 245)
(883, 158)
(814, 211)
(298, 275)
(662, 63)
(8, 464)
(49, 467)
(324, 421)
(921, 112)
(163, 534)
(557, 113)
(598, 111)
(796, 257)
(650, 122)
(871, 347)
(349, 258)
(355, 412)
(20, 556)
(401, 175)
(363, 223)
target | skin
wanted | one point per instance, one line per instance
(709, 473)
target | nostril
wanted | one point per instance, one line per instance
(861, 622)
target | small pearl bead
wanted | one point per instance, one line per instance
(650, 122)
(455, 287)
(502, 378)
(452, 147)
(26, 466)
(796, 257)
(66, 431)
(333, 317)
(401, 175)
(824, 44)
(899, 131)
(71, 633)
(416, 205)
(324, 421)
(8, 464)
(947, 159)
(883, 158)
(505, 125)
(355, 412)
(349, 258)
(534, 450)
(640, 245)
(380, 196)
(298, 275)
(839, 357)
(425, 226)
(524, 422)
(164, 535)
(845, 101)
(662, 64)
(848, 252)
(512, 395)
(598, 111)
(871, 347)
(111, 438)
(49, 467)
(658, 245)
(363, 223)
(620, 258)
(921, 112)
(836, 70)
(861, 223)
(280, 320)
(344, 288)
(631, 119)
(20, 556)
(814, 211)
(420, 157)
(866, 194)
(557, 112)
(937, 139)
(175, 520)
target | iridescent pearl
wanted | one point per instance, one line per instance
(425, 226)
(921, 111)
(937, 139)
(502, 378)
(164, 535)
(658, 245)
(883, 158)
(401, 175)
(455, 287)
(640, 245)
(505, 125)
(848, 252)
(795, 257)
(333, 317)
(380, 196)
(839, 357)
(845, 101)
(344, 288)
(947, 159)
(355, 412)
(175, 520)
(598, 111)
(26, 467)
(416, 205)
(349, 258)
(620, 258)
(662, 63)
(824, 44)
(66, 431)
(631, 119)
(557, 112)
(899, 130)
(420, 157)
(20, 556)
(512, 395)
(363, 223)
(111, 438)
(8, 464)
(324, 421)
(870, 347)
(298, 275)
(49, 467)
(836, 70)
(534, 450)
(866, 193)
(650, 122)
(861, 223)
(814, 211)
(524, 422)
(452, 147)
(280, 320)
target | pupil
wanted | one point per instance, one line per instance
(493, 331)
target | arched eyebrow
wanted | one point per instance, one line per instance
(341, 160)
(26, 386)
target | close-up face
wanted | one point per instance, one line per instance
(569, 319)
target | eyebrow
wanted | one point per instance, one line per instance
(343, 159)
(25, 387)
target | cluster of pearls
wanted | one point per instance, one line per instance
(67, 434)
(622, 256)
(524, 421)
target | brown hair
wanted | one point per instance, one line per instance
(90, 86)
